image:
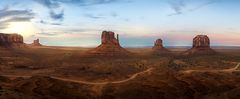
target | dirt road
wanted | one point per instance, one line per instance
(87, 82)
(215, 70)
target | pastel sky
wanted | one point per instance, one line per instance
(138, 22)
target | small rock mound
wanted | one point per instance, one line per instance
(201, 45)
(36, 43)
(158, 47)
(11, 40)
(110, 46)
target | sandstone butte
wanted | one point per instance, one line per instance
(11, 40)
(201, 45)
(109, 46)
(158, 47)
(36, 43)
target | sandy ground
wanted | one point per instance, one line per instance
(63, 72)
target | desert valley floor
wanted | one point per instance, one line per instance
(69, 73)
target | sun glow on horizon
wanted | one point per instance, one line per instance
(26, 29)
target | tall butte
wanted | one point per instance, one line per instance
(201, 45)
(158, 47)
(11, 40)
(110, 46)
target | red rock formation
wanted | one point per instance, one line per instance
(110, 45)
(11, 40)
(36, 43)
(158, 47)
(109, 38)
(201, 41)
(201, 45)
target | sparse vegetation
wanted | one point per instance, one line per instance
(164, 81)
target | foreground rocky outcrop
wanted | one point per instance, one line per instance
(110, 46)
(11, 40)
(201, 45)
(36, 43)
(158, 47)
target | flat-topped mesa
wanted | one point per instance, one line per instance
(158, 46)
(110, 45)
(36, 43)
(11, 40)
(201, 45)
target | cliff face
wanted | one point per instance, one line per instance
(109, 38)
(110, 45)
(158, 47)
(201, 41)
(11, 40)
(201, 45)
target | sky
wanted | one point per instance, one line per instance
(138, 22)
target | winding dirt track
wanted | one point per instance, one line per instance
(102, 83)
(125, 80)
(222, 70)
(87, 82)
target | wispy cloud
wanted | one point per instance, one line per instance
(57, 16)
(54, 5)
(70, 31)
(49, 23)
(47, 34)
(7, 16)
(92, 16)
(204, 4)
(49, 3)
(179, 6)
(55, 11)
(6, 13)
(88, 2)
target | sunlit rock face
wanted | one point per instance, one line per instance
(158, 47)
(11, 40)
(36, 43)
(201, 45)
(110, 45)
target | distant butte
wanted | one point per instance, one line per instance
(158, 47)
(36, 43)
(11, 40)
(201, 45)
(110, 46)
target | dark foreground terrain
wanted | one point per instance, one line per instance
(68, 73)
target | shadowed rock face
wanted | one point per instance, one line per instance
(201, 41)
(36, 43)
(110, 45)
(109, 38)
(11, 40)
(158, 43)
(158, 47)
(201, 45)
